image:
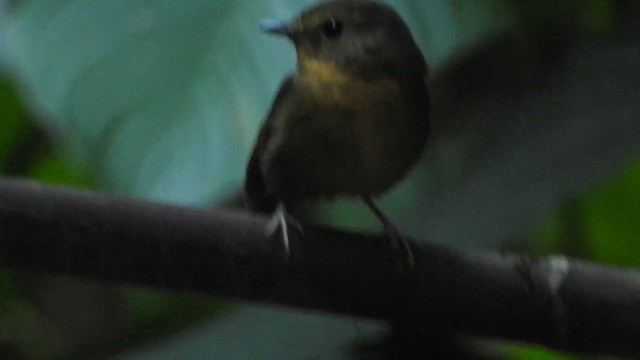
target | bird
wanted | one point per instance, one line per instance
(350, 121)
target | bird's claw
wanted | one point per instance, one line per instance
(400, 246)
(281, 221)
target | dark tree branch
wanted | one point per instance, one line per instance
(564, 304)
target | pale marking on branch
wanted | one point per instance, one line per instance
(559, 269)
(558, 273)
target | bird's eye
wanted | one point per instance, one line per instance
(331, 28)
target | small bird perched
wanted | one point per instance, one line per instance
(351, 121)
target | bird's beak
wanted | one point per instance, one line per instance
(277, 27)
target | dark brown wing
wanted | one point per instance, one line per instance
(258, 199)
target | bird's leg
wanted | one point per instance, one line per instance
(396, 239)
(281, 220)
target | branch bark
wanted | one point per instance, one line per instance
(560, 303)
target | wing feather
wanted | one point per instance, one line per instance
(256, 194)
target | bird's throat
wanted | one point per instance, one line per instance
(327, 84)
(320, 71)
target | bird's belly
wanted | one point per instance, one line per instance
(343, 154)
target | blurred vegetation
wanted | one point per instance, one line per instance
(601, 224)
(30, 329)
(598, 224)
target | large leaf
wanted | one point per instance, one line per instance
(133, 85)
(518, 135)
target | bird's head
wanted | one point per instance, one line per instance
(357, 37)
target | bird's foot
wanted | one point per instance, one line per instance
(401, 248)
(281, 221)
(399, 243)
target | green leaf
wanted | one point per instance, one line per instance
(55, 169)
(611, 219)
(149, 307)
(597, 15)
(12, 122)
(522, 352)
